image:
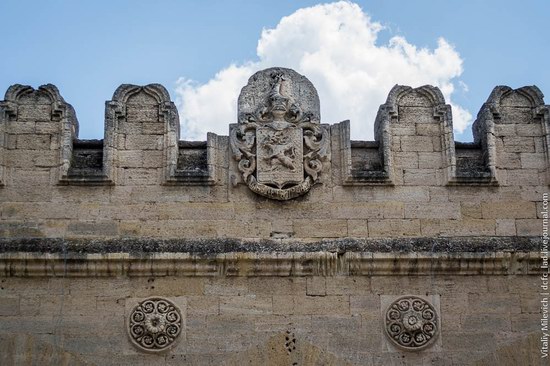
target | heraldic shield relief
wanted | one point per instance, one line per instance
(279, 144)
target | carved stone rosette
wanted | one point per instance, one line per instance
(154, 324)
(411, 323)
(279, 144)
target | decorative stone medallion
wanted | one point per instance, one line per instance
(154, 324)
(411, 323)
(279, 144)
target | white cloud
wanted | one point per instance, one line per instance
(463, 86)
(333, 45)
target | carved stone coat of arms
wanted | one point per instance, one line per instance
(279, 144)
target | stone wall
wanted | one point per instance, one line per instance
(333, 320)
(285, 228)
(414, 181)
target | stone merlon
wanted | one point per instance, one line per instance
(282, 243)
(414, 180)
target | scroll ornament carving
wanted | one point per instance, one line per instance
(280, 149)
(411, 323)
(154, 325)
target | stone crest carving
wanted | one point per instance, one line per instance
(154, 324)
(279, 144)
(411, 323)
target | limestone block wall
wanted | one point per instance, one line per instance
(141, 181)
(140, 248)
(486, 320)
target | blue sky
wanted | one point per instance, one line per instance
(89, 48)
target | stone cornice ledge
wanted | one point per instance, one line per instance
(268, 264)
(346, 257)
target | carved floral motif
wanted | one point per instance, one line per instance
(280, 149)
(411, 323)
(154, 324)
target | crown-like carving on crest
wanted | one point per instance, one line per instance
(279, 144)
(272, 89)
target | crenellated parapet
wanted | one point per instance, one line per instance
(413, 125)
(37, 128)
(412, 180)
(285, 242)
(141, 133)
(512, 130)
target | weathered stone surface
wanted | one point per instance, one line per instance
(316, 286)
(9, 306)
(295, 275)
(299, 313)
(150, 246)
(411, 322)
(101, 229)
(279, 145)
(155, 324)
(299, 89)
